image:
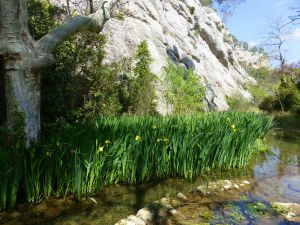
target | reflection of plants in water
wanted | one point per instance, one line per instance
(257, 208)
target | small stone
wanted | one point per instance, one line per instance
(146, 215)
(227, 186)
(227, 182)
(93, 200)
(172, 211)
(290, 216)
(121, 222)
(182, 196)
(131, 220)
(236, 186)
(136, 220)
(203, 189)
(165, 202)
(246, 182)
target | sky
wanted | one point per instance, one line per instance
(251, 21)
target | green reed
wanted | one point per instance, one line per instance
(79, 160)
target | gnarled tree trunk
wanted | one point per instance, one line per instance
(23, 57)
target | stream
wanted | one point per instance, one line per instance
(275, 176)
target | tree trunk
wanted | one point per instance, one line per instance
(23, 57)
(2, 94)
(22, 93)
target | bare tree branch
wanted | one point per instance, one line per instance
(277, 38)
(295, 17)
(93, 22)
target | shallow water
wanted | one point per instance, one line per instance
(276, 179)
(275, 176)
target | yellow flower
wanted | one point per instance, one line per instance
(234, 130)
(138, 138)
(101, 148)
(154, 126)
(233, 126)
(107, 142)
(166, 140)
(228, 119)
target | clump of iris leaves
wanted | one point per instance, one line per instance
(80, 159)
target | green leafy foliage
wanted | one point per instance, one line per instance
(258, 93)
(206, 2)
(267, 81)
(127, 150)
(142, 92)
(237, 102)
(286, 97)
(183, 90)
(43, 17)
(80, 85)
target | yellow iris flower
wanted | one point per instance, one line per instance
(138, 138)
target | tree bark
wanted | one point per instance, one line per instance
(23, 57)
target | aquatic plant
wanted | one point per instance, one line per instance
(82, 158)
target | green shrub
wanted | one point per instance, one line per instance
(286, 98)
(103, 95)
(192, 9)
(142, 92)
(268, 104)
(289, 95)
(183, 90)
(206, 2)
(258, 93)
(120, 16)
(237, 102)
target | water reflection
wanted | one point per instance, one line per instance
(278, 177)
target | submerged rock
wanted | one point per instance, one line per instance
(291, 211)
(146, 215)
(181, 196)
(219, 186)
(131, 220)
(162, 210)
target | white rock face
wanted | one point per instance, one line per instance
(185, 33)
(256, 60)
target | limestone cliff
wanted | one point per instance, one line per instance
(186, 33)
